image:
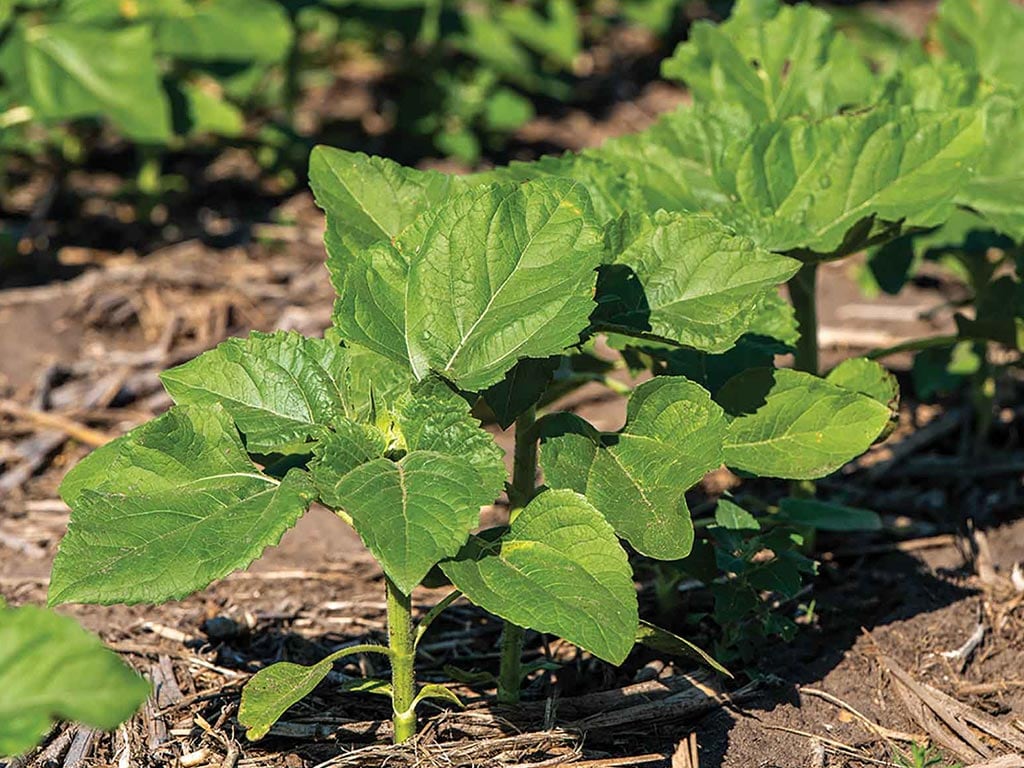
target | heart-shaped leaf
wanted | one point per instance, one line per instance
(559, 568)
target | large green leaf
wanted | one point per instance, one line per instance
(637, 478)
(52, 669)
(674, 161)
(794, 425)
(687, 279)
(65, 71)
(417, 510)
(559, 568)
(830, 187)
(503, 272)
(985, 35)
(167, 509)
(996, 189)
(779, 62)
(223, 30)
(612, 192)
(280, 388)
(369, 202)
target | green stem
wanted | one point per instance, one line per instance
(802, 295)
(403, 672)
(522, 489)
(983, 395)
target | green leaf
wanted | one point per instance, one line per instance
(869, 378)
(413, 512)
(200, 110)
(503, 272)
(663, 641)
(733, 517)
(786, 62)
(986, 35)
(794, 425)
(437, 692)
(831, 187)
(223, 30)
(369, 202)
(996, 190)
(51, 669)
(559, 568)
(688, 280)
(167, 509)
(280, 388)
(521, 388)
(637, 478)
(64, 71)
(612, 191)
(826, 516)
(271, 691)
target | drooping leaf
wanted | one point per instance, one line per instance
(509, 272)
(51, 669)
(280, 388)
(167, 509)
(794, 425)
(780, 62)
(827, 516)
(637, 478)
(60, 72)
(559, 568)
(663, 641)
(688, 280)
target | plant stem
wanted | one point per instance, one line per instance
(802, 295)
(403, 672)
(524, 485)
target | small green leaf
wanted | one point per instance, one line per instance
(794, 425)
(638, 478)
(280, 388)
(521, 388)
(663, 641)
(167, 509)
(870, 378)
(559, 569)
(223, 31)
(733, 517)
(51, 669)
(509, 272)
(439, 693)
(826, 516)
(272, 690)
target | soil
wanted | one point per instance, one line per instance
(112, 301)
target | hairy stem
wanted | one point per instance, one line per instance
(524, 485)
(403, 672)
(802, 295)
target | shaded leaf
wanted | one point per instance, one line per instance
(827, 516)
